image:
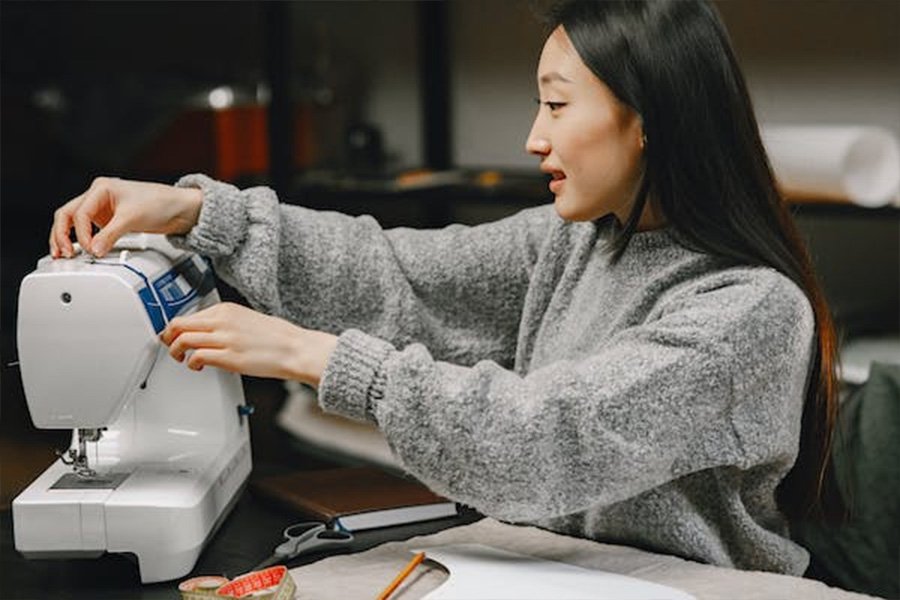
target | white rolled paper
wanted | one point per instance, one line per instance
(854, 164)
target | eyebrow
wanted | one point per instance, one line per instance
(553, 76)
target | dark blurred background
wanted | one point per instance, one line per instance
(413, 111)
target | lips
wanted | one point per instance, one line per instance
(556, 185)
(557, 179)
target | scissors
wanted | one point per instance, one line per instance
(302, 538)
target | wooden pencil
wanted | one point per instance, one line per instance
(409, 568)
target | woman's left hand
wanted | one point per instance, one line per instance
(236, 338)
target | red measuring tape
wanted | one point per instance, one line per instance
(274, 583)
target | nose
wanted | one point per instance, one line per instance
(537, 143)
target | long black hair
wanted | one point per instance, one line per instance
(705, 166)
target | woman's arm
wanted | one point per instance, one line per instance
(458, 290)
(715, 378)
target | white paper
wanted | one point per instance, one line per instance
(856, 164)
(485, 573)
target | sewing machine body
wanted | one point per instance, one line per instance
(164, 449)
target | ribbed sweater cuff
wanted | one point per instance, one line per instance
(354, 379)
(222, 225)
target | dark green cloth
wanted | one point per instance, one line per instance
(863, 555)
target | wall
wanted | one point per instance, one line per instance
(374, 58)
(827, 61)
(495, 47)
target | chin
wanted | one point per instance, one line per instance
(569, 210)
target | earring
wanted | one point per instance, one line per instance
(643, 141)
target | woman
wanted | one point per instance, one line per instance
(632, 364)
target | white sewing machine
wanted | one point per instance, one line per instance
(159, 452)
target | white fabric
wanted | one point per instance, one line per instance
(364, 575)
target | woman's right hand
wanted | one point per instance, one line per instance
(118, 206)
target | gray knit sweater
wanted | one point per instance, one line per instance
(654, 402)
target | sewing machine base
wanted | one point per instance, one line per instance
(163, 514)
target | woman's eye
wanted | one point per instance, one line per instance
(553, 106)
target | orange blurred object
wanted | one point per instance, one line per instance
(226, 144)
(242, 141)
(489, 178)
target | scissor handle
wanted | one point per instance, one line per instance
(305, 529)
(323, 540)
(334, 535)
(296, 535)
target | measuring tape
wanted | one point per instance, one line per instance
(274, 583)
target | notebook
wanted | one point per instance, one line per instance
(355, 499)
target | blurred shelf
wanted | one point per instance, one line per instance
(830, 207)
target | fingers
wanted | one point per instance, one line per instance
(201, 321)
(95, 206)
(99, 196)
(212, 337)
(193, 340)
(60, 244)
(212, 357)
(118, 206)
(107, 236)
(82, 230)
(199, 339)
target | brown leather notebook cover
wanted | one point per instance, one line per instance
(330, 493)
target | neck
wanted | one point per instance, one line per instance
(651, 217)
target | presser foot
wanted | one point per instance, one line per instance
(78, 458)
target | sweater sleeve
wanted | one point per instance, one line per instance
(459, 290)
(677, 394)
